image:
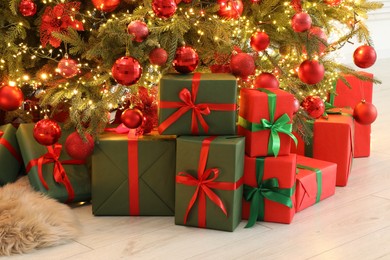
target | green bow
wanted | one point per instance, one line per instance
(318, 177)
(267, 189)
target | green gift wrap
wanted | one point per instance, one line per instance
(59, 176)
(209, 181)
(10, 158)
(133, 176)
(198, 104)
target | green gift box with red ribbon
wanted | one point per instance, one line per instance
(269, 189)
(316, 181)
(209, 173)
(198, 104)
(265, 119)
(51, 171)
(10, 159)
(133, 176)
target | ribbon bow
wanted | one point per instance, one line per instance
(9, 147)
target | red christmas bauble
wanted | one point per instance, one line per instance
(27, 8)
(164, 8)
(266, 80)
(132, 118)
(230, 9)
(11, 98)
(158, 56)
(106, 5)
(333, 2)
(301, 22)
(78, 148)
(296, 105)
(311, 72)
(365, 113)
(321, 37)
(139, 30)
(242, 65)
(186, 59)
(259, 41)
(314, 106)
(68, 68)
(364, 56)
(126, 71)
(47, 132)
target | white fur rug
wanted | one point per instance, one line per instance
(30, 220)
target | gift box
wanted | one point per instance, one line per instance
(198, 104)
(344, 96)
(316, 181)
(133, 175)
(10, 158)
(265, 121)
(209, 181)
(269, 186)
(332, 141)
(51, 171)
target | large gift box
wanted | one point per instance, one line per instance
(133, 175)
(198, 104)
(350, 96)
(51, 171)
(332, 141)
(269, 186)
(265, 121)
(10, 158)
(209, 181)
(316, 181)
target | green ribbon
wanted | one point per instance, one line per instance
(281, 125)
(318, 178)
(266, 189)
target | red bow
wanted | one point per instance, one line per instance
(9, 147)
(297, 5)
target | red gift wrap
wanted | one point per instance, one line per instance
(316, 180)
(281, 168)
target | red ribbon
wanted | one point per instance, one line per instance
(59, 173)
(189, 103)
(204, 183)
(297, 5)
(9, 147)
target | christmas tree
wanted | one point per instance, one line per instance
(79, 61)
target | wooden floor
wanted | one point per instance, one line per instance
(353, 224)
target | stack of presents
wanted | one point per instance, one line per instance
(208, 166)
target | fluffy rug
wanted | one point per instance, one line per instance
(30, 220)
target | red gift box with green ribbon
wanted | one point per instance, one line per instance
(198, 104)
(349, 96)
(209, 181)
(269, 186)
(51, 171)
(133, 175)
(265, 121)
(10, 159)
(332, 141)
(316, 181)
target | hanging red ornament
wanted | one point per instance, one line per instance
(78, 148)
(186, 59)
(320, 36)
(301, 22)
(364, 56)
(68, 68)
(132, 118)
(158, 56)
(259, 41)
(164, 8)
(126, 71)
(242, 65)
(27, 8)
(139, 30)
(47, 132)
(106, 5)
(230, 9)
(266, 80)
(311, 72)
(333, 2)
(365, 113)
(314, 106)
(296, 105)
(11, 98)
